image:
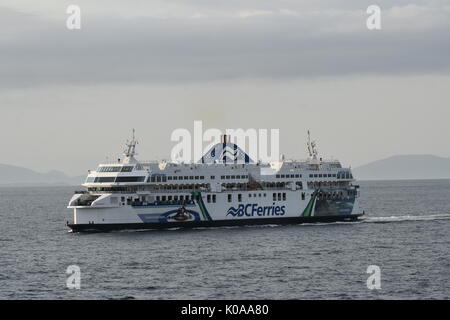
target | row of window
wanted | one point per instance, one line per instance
(175, 198)
(282, 176)
(184, 178)
(115, 169)
(281, 196)
(234, 177)
(323, 175)
(115, 179)
(163, 178)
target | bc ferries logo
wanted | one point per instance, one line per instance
(251, 210)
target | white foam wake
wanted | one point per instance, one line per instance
(431, 217)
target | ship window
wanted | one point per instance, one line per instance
(229, 198)
(279, 196)
(175, 177)
(259, 195)
(130, 179)
(175, 198)
(158, 179)
(191, 178)
(310, 175)
(274, 197)
(239, 197)
(127, 169)
(315, 176)
(163, 198)
(282, 176)
(264, 194)
(303, 196)
(90, 179)
(233, 177)
(196, 177)
(278, 176)
(164, 179)
(222, 177)
(213, 177)
(157, 198)
(292, 176)
(202, 177)
(297, 176)
(208, 198)
(169, 178)
(169, 198)
(249, 195)
(284, 196)
(228, 177)
(214, 198)
(181, 198)
(104, 179)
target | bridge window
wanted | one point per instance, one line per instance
(127, 169)
(104, 179)
(130, 179)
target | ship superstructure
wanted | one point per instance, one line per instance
(225, 187)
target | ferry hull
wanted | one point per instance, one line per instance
(208, 224)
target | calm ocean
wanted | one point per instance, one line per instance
(406, 232)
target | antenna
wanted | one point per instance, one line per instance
(131, 146)
(312, 147)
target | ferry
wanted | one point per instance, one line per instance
(224, 188)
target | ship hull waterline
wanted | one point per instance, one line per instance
(103, 227)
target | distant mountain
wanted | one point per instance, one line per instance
(405, 167)
(13, 175)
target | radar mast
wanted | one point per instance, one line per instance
(130, 151)
(312, 148)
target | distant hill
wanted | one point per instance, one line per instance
(13, 175)
(405, 167)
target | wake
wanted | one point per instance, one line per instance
(431, 217)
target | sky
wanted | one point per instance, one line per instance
(70, 98)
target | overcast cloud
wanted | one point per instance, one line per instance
(262, 39)
(70, 98)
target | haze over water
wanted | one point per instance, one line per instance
(405, 233)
